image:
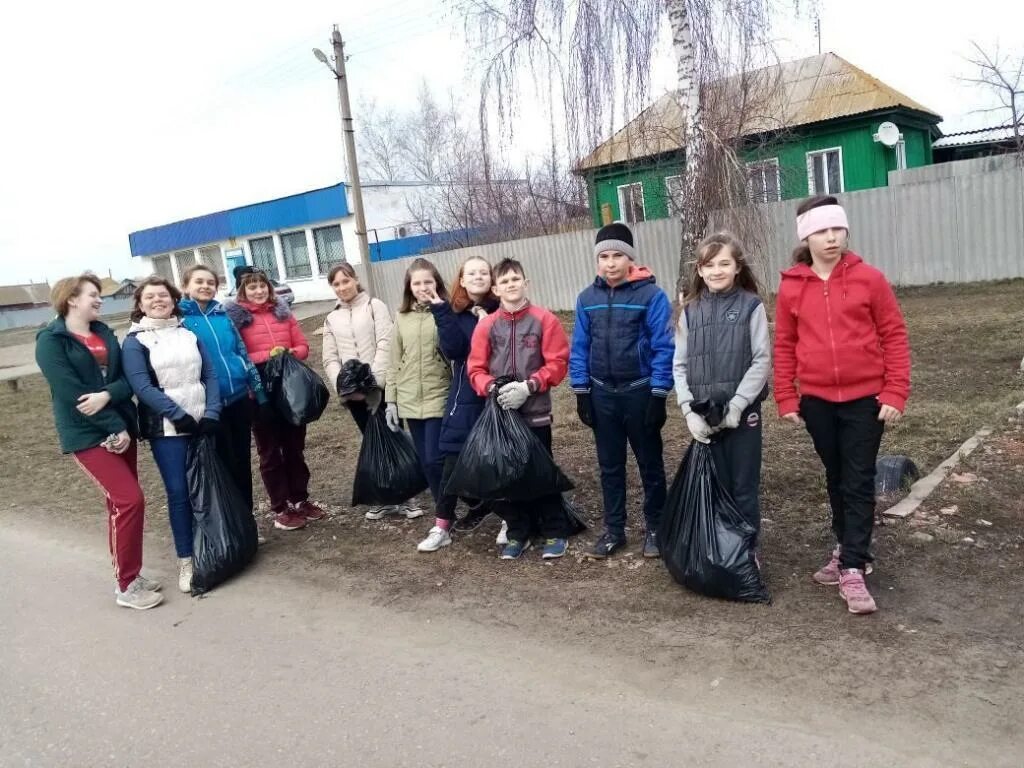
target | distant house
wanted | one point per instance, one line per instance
(117, 289)
(14, 297)
(967, 137)
(814, 135)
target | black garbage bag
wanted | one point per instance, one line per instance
(388, 470)
(577, 523)
(712, 411)
(355, 377)
(705, 543)
(224, 537)
(503, 459)
(297, 393)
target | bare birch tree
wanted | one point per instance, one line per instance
(600, 53)
(1004, 76)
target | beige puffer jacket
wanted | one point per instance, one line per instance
(419, 377)
(359, 329)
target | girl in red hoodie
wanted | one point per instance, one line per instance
(269, 328)
(842, 368)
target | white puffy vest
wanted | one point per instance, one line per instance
(175, 359)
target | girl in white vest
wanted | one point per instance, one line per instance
(176, 384)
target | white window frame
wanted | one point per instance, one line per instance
(810, 172)
(623, 209)
(901, 155)
(672, 205)
(298, 234)
(758, 166)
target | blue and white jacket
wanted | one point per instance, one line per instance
(623, 337)
(236, 374)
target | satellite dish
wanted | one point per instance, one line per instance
(888, 134)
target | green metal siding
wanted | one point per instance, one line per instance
(865, 162)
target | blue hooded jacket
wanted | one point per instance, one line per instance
(623, 337)
(463, 406)
(236, 374)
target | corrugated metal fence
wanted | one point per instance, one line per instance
(25, 318)
(928, 228)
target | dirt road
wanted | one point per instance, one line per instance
(271, 669)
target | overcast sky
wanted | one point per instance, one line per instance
(119, 116)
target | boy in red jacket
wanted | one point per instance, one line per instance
(527, 343)
(839, 332)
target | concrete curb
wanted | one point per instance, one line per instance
(920, 490)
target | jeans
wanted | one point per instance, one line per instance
(619, 418)
(426, 436)
(847, 437)
(234, 444)
(169, 454)
(737, 456)
(283, 466)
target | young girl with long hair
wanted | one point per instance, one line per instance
(418, 377)
(723, 355)
(842, 368)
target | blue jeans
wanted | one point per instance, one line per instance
(619, 418)
(426, 437)
(169, 454)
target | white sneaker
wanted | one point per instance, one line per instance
(437, 537)
(185, 574)
(150, 585)
(379, 513)
(137, 597)
(502, 538)
(412, 511)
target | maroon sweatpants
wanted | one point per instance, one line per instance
(118, 478)
(282, 463)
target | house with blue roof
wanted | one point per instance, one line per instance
(294, 239)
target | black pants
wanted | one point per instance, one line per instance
(234, 444)
(618, 419)
(737, 456)
(360, 413)
(544, 515)
(847, 437)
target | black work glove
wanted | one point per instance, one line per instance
(655, 417)
(186, 425)
(585, 408)
(208, 426)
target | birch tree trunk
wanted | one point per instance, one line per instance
(691, 211)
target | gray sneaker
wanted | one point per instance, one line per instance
(379, 513)
(150, 585)
(137, 597)
(412, 511)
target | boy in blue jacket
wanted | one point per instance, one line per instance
(620, 368)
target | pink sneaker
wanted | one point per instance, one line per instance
(289, 521)
(309, 510)
(855, 592)
(829, 574)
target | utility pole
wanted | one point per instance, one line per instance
(817, 31)
(349, 137)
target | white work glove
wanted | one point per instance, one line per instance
(512, 396)
(732, 418)
(698, 427)
(391, 417)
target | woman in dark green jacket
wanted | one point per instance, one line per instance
(97, 423)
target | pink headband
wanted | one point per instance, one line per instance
(817, 219)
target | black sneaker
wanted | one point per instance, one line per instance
(651, 545)
(607, 545)
(473, 518)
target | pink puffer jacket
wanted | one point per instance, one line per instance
(265, 326)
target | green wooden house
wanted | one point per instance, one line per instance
(814, 133)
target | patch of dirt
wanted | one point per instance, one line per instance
(948, 635)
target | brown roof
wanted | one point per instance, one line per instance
(110, 286)
(802, 92)
(33, 293)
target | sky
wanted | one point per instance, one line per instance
(119, 116)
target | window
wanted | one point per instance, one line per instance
(162, 266)
(825, 171)
(674, 195)
(210, 256)
(330, 249)
(184, 260)
(631, 203)
(296, 255)
(763, 181)
(901, 155)
(262, 250)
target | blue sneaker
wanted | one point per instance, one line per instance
(554, 548)
(514, 549)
